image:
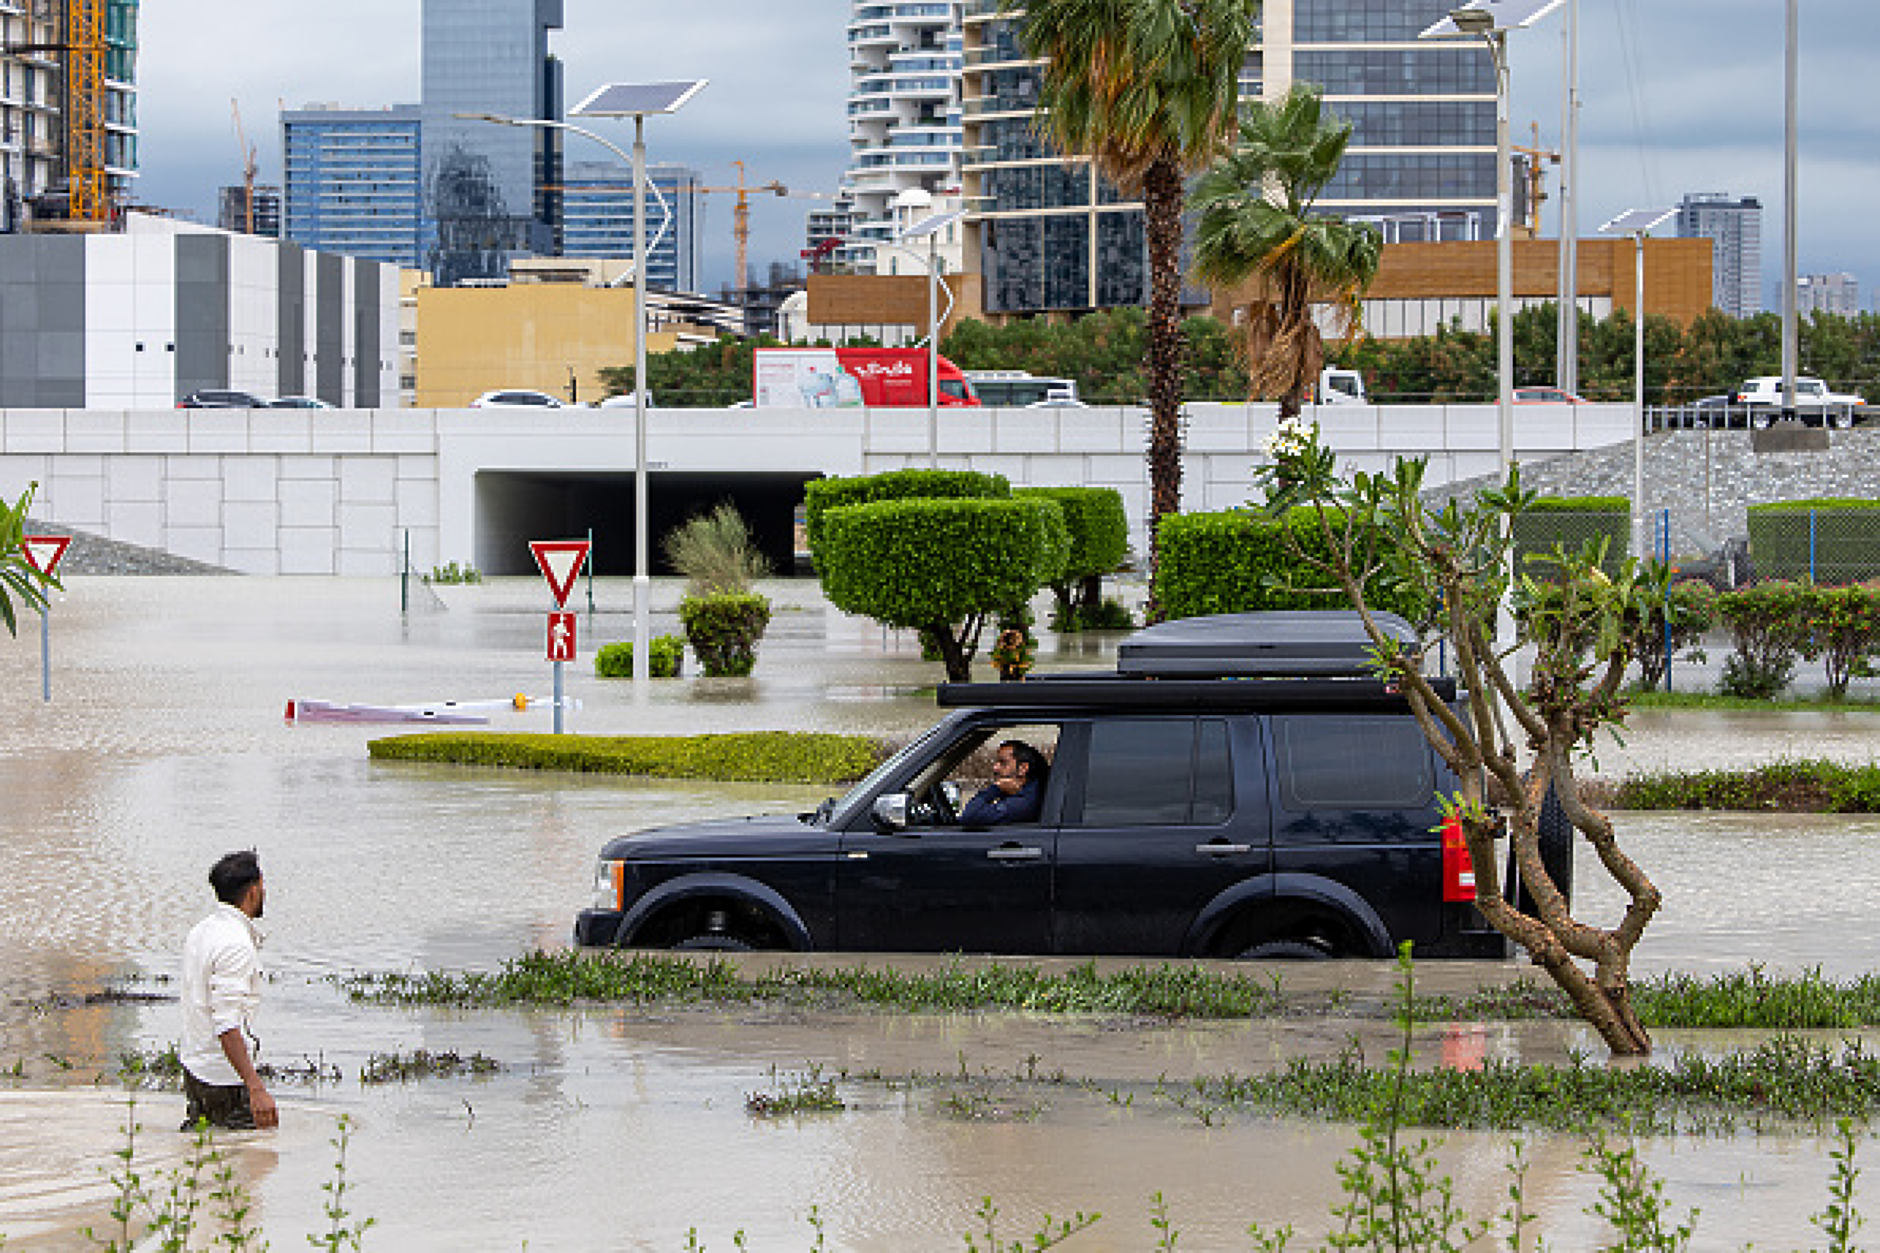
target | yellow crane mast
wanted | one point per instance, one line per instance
(250, 168)
(88, 186)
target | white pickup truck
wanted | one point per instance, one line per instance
(1815, 405)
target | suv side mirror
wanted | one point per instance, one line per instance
(890, 811)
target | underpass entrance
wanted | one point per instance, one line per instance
(516, 506)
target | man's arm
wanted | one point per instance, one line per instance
(235, 1048)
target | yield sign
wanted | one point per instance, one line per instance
(43, 552)
(560, 560)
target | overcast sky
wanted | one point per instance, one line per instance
(1680, 95)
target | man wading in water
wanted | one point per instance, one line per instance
(221, 990)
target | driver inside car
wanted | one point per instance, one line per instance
(1016, 793)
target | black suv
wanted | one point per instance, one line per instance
(1237, 789)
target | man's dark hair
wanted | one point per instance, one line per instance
(231, 876)
(1036, 767)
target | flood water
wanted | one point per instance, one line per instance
(164, 746)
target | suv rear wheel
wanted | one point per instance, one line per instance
(709, 943)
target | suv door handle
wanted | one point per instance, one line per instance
(1014, 852)
(1217, 848)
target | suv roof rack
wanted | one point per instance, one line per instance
(1187, 695)
(1320, 643)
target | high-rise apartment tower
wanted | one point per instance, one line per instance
(1051, 234)
(903, 110)
(354, 182)
(37, 143)
(1734, 227)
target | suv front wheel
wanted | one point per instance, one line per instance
(1283, 950)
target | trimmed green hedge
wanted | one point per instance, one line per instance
(1098, 525)
(665, 654)
(723, 630)
(1239, 562)
(822, 495)
(755, 757)
(1845, 540)
(926, 563)
(1570, 521)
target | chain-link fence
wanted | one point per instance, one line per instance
(1791, 609)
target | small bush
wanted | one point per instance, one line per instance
(756, 757)
(1843, 629)
(1768, 623)
(665, 655)
(723, 630)
(1691, 609)
(715, 553)
(451, 572)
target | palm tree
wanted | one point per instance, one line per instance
(1149, 90)
(1255, 220)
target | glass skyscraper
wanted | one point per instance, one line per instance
(1733, 225)
(354, 182)
(1052, 235)
(489, 190)
(597, 218)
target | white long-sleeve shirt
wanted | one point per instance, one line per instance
(221, 989)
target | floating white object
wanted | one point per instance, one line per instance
(448, 712)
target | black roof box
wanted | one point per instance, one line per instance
(1286, 643)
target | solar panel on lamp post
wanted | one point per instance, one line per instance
(1491, 20)
(1638, 223)
(637, 101)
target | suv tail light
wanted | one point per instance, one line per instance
(1458, 870)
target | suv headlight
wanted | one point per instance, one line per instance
(609, 882)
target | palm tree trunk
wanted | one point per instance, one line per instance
(1162, 213)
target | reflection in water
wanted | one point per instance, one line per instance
(164, 747)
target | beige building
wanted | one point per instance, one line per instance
(554, 327)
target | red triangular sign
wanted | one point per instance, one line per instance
(43, 552)
(560, 561)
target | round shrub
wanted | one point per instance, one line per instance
(823, 495)
(664, 656)
(927, 563)
(723, 630)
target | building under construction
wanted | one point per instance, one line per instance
(68, 112)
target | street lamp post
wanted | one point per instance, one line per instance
(1638, 223)
(634, 100)
(1491, 20)
(930, 228)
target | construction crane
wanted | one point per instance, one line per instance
(85, 102)
(740, 215)
(250, 168)
(1536, 191)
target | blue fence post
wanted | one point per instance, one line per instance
(1812, 577)
(1664, 555)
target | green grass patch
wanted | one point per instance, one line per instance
(1718, 700)
(751, 757)
(1806, 786)
(1748, 998)
(1781, 1081)
(1739, 999)
(567, 978)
